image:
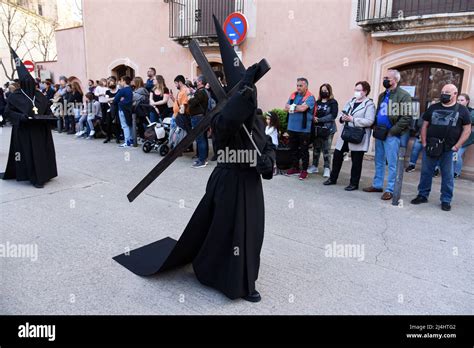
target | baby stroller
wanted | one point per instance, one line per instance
(157, 136)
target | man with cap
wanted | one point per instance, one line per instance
(32, 156)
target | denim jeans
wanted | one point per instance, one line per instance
(201, 141)
(387, 151)
(77, 114)
(81, 122)
(153, 116)
(447, 178)
(458, 162)
(415, 151)
(126, 129)
(90, 123)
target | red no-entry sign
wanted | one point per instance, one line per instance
(235, 28)
(29, 65)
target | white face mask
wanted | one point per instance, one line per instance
(358, 94)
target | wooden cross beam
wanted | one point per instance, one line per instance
(203, 125)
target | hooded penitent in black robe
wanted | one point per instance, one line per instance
(31, 156)
(224, 237)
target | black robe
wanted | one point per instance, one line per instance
(231, 215)
(224, 237)
(32, 156)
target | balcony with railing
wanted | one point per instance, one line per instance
(192, 19)
(416, 20)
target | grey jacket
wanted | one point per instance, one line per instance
(364, 116)
(141, 95)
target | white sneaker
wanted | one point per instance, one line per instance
(313, 169)
(91, 134)
(78, 134)
(327, 173)
(124, 145)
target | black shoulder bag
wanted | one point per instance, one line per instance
(380, 132)
(435, 146)
(353, 135)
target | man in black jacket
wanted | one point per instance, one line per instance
(197, 109)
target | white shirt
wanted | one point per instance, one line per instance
(273, 133)
(101, 90)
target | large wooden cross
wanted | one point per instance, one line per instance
(202, 126)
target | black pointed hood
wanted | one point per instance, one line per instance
(233, 67)
(27, 82)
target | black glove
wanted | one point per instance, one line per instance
(23, 117)
(249, 76)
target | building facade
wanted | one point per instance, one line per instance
(327, 41)
(28, 26)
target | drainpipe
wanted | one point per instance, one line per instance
(84, 41)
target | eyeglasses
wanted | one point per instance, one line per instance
(299, 85)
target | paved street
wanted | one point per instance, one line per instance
(411, 260)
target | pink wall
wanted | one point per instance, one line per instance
(71, 60)
(311, 45)
(138, 33)
(315, 39)
(311, 53)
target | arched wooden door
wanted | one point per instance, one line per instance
(123, 70)
(426, 79)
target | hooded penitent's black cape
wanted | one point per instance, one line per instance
(31, 156)
(224, 237)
